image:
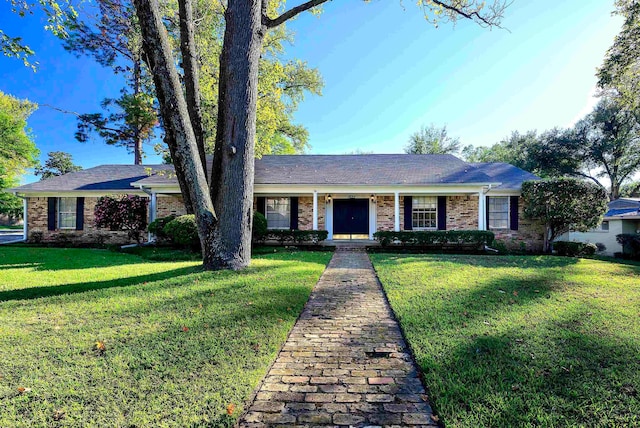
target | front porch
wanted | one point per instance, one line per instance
(356, 214)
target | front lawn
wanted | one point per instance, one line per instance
(521, 341)
(96, 338)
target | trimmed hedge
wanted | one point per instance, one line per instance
(295, 236)
(630, 244)
(572, 249)
(259, 226)
(437, 238)
(157, 226)
(183, 231)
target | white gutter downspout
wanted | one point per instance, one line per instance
(482, 208)
(25, 226)
(153, 207)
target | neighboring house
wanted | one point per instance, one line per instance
(623, 216)
(351, 196)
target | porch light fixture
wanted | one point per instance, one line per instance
(373, 197)
(328, 199)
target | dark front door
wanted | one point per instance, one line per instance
(351, 216)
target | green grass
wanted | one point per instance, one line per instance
(181, 344)
(7, 227)
(520, 341)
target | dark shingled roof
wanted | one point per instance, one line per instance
(510, 176)
(393, 169)
(103, 177)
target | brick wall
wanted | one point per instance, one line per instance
(462, 212)
(170, 205)
(37, 209)
(305, 212)
(530, 233)
(385, 212)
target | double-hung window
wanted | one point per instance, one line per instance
(424, 213)
(278, 213)
(498, 212)
(66, 213)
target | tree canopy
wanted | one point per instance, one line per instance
(222, 198)
(620, 70)
(432, 140)
(564, 204)
(609, 139)
(57, 163)
(17, 148)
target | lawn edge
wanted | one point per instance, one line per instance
(410, 351)
(258, 387)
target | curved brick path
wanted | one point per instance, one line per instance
(345, 362)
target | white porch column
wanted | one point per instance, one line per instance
(153, 208)
(25, 219)
(315, 210)
(396, 212)
(482, 209)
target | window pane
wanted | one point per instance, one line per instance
(278, 213)
(498, 212)
(66, 213)
(424, 212)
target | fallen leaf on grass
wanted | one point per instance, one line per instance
(628, 390)
(23, 390)
(515, 387)
(435, 418)
(515, 293)
(58, 414)
(185, 328)
(230, 408)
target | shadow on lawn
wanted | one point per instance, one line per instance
(44, 259)
(562, 368)
(57, 290)
(508, 379)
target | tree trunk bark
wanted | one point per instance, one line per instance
(190, 67)
(137, 148)
(176, 119)
(233, 166)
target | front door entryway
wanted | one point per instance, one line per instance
(351, 218)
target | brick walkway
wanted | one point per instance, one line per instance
(345, 362)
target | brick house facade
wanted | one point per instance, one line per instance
(349, 196)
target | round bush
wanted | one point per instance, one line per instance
(259, 226)
(157, 226)
(183, 231)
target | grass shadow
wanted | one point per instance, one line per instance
(57, 290)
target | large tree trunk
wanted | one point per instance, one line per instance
(173, 108)
(191, 82)
(233, 166)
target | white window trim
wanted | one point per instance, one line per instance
(266, 212)
(435, 212)
(508, 227)
(59, 213)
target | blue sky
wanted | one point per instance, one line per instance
(386, 71)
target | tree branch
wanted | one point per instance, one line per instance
(271, 23)
(91, 122)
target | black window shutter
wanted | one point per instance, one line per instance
(486, 210)
(51, 213)
(513, 204)
(293, 215)
(442, 213)
(408, 213)
(262, 204)
(79, 213)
